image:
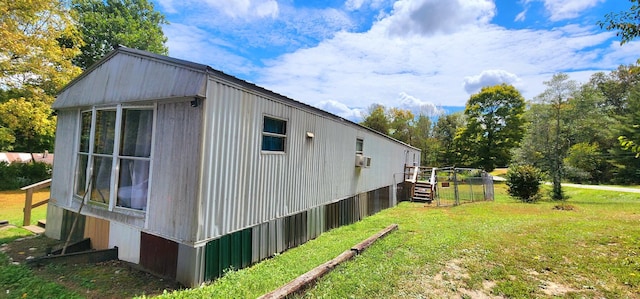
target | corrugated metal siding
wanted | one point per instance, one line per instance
(131, 78)
(315, 222)
(127, 239)
(175, 174)
(98, 231)
(158, 255)
(229, 251)
(240, 249)
(243, 187)
(190, 271)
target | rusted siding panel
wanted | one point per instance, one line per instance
(175, 173)
(127, 239)
(159, 255)
(131, 78)
(98, 231)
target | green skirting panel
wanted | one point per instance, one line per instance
(229, 251)
(241, 249)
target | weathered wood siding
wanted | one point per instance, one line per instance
(98, 231)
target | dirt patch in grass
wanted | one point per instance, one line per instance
(113, 279)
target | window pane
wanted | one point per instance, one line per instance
(133, 184)
(272, 125)
(105, 131)
(85, 131)
(359, 145)
(273, 143)
(101, 179)
(136, 133)
(81, 174)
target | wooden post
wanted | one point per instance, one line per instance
(28, 201)
(27, 208)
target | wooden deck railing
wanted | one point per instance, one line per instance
(29, 199)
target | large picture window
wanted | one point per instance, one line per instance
(114, 156)
(274, 134)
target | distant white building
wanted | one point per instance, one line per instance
(26, 157)
(189, 171)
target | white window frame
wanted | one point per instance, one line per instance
(115, 155)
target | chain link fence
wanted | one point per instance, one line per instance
(454, 186)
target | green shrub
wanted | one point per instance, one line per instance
(17, 175)
(524, 182)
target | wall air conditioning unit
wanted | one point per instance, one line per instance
(363, 161)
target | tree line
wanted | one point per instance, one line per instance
(570, 131)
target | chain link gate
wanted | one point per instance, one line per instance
(449, 186)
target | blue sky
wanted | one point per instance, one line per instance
(343, 56)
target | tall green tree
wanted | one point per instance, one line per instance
(494, 126)
(376, 119)
(625, 158)
(423, 139)
(107, 23)
(559, 90)
(444, 132)
(38, 39)
(627, 25)
(401, 124)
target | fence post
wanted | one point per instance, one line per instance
(455, 187)
(27, 208)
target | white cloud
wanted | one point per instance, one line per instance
(362, 68)
(245, 8)
(340, 109)
(344, 69)
(473, 84)
(417, 106)
(426, 17)
(195, 44)
(568, 9)
(167, 6)
(353, 4)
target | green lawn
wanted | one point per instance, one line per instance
(12, 204)
(496, 248)
(502, 248)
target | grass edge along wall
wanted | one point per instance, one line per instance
(178, 157)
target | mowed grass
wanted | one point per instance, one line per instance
(12, 205)
(501, 248)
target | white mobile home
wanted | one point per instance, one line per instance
(189, 171)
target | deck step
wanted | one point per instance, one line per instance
(42, 223)
(422, 191)
(34, 229)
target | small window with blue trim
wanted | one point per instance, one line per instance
(274, 134)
